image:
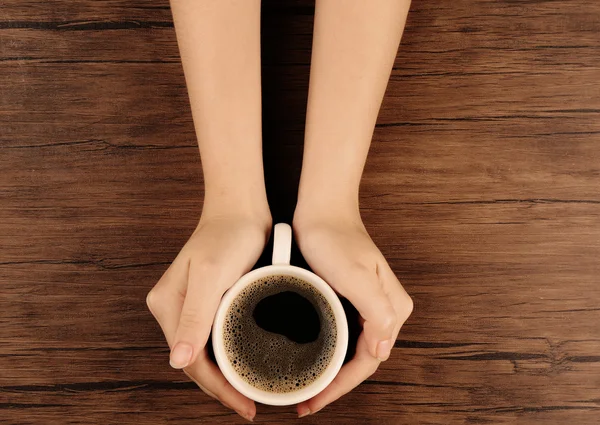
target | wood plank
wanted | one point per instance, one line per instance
(481, 189)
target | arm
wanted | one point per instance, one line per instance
(353, 52)
(219, 43)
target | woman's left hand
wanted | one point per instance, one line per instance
(339, 249)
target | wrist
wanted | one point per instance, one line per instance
(327, 189)
(318, 206)
(247, 203)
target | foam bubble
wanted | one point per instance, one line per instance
(273, 362)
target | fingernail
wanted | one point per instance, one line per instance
(303, 411)
(246, 416)
(180, 355)
(384, 349)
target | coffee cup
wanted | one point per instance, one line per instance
(267, 366)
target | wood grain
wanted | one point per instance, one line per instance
(482, 189)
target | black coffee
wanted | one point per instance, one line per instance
(279, 334)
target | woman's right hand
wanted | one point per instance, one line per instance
(184, 301)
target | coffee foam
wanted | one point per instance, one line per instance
(269, 361)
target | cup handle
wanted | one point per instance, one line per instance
(282, 244)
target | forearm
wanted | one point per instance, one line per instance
(219, 42)
(353, 52)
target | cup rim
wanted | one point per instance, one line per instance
(332, 369)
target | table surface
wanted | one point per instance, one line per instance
(482, 189)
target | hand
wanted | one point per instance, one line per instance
(339, 249)
(184, 301)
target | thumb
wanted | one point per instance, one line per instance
(197, 315)
(363, 289)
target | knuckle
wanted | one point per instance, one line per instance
(388, 319)
(152, 300)
(408, 307)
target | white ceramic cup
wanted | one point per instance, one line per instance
(282, 243)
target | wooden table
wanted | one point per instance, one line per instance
(482, 189)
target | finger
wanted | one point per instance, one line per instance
(402, 302)
(204, 389)
(350, 376)
(204, 293)
(165, 300)
(364, 290)
(210, 379)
